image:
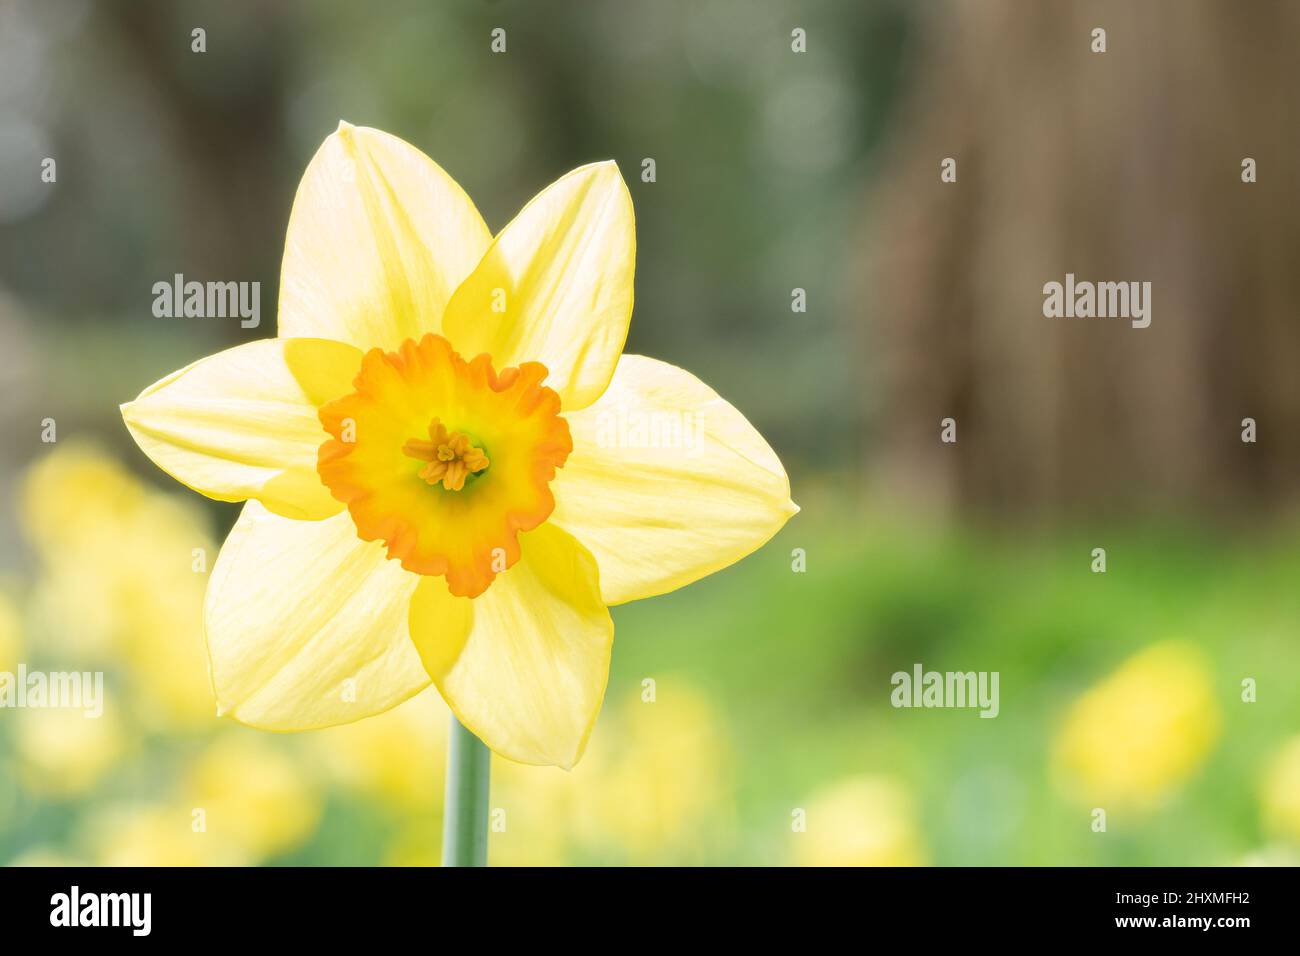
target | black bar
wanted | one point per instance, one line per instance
(335, 906)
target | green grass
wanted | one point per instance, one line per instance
(797, 667)
(800, 665)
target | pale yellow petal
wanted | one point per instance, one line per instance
(378, 240)
(306, 624)
(556, 286)
(530, 677)
(242, 423)
(667, 482)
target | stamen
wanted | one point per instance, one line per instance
(450, 456)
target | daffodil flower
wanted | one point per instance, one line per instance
(451, 471)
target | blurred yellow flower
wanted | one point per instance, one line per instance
(251, 797)
(1280, 795)
(11, 643)
(860, 821)
(1140, 733)
(450, 468)
(136, 560)
(655, 787)
(152, 834)
(418, 843)
(397, 756)
(46, 858)
(63, 752)
(70, 494)
(663, 776)
(532, 817)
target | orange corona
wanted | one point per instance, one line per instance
(445, 460)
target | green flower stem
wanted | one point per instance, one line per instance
(465, 809)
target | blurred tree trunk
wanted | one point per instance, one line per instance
(1115, 166)
(220, 134)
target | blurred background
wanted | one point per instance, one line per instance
(765, 735)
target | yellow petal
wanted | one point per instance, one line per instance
(529, 679)
(306, 624)
(556, 286)
(667, 482)
(242, 423)
(378, 240)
